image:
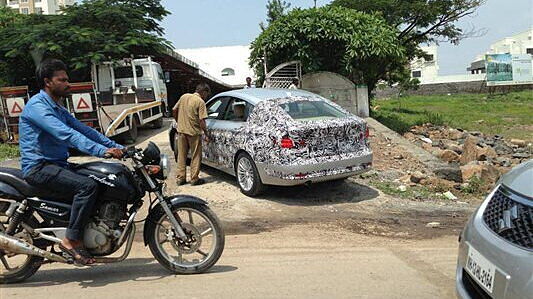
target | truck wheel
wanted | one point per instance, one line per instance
(131, 135)
(158, 123)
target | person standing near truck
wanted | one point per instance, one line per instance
(190, 114)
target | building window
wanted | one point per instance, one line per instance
(429, 57)
(38, 11)
(24, 11)
(228, 72)
(37, 1)
(529, 51)
(23, 1)
(417, 74)
(13, 2)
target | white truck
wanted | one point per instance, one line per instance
(123, 96)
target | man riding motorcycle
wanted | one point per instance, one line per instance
(47, 131)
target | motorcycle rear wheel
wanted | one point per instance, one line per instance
(19, 267)
(196, 255)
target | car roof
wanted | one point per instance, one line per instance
(256, 95)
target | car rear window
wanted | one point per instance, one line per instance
(311, 110)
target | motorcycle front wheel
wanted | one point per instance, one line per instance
(203, 246)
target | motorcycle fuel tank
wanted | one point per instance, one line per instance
(115, 179)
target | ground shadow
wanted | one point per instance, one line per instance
(134, 269)
(331, 192)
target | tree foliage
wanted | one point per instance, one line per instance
(89, 32)
(334, 39)
(275, 10)
(419, 21)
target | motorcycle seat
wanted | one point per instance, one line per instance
(14, 178)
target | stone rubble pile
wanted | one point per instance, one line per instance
(469, 154)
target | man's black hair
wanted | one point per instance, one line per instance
(47, 68)
(203, 87)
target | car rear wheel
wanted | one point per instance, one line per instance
(248, 176)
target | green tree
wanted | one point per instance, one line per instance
(86, 33)
(417, 22)
(334, 39)
(275, 10)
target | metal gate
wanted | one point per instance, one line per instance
(282, 75)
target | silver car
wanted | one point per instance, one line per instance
(282, 137)
(496, 246)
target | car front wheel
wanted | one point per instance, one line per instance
(248, 176)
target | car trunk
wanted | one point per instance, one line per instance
(325, 138)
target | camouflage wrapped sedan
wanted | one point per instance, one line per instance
(282, 137)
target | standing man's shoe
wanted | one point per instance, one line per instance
(198, 182)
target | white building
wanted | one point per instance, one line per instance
(45, 7)
(521, 43)
(228, 64)
(426, 70)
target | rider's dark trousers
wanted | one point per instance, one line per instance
(61, 180)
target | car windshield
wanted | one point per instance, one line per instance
(311, 110)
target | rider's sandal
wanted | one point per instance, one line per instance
(79, 255)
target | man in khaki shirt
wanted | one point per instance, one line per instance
(190, 114)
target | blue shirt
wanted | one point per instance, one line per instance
(47, 131)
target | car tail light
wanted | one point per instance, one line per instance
(286, 142)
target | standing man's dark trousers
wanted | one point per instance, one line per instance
(64, 181)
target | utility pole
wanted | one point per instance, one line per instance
(315, 3)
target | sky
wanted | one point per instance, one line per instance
(209, 23)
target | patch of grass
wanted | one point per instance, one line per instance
(475, 185)
(504, 114)
(412, 192)
(8, 151)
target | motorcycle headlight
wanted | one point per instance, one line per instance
(165, 165)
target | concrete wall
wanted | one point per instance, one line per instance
(338, 89)
(451, 87)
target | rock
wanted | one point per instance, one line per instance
(426, 140)
(454, 134)
(427, 147)
(417, 176)
(469, 150)
(450, 173)
(398, 157)
(449, 195)
(453, 146)
(521, 155)
(475, 133)
(503, 161)
(449, 156)
(488, 173)
(409, 136)
(519, 142)
(502, 149)
(486, 152)
(406, 179)
(402, 188)
(433, 224)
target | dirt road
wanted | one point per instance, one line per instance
(334, 240)
(300, 261)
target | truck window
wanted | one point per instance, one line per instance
(126, 72)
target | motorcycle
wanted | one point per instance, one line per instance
(183, 234)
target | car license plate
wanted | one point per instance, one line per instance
(481, 269)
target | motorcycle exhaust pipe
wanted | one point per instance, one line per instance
(14, 245)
